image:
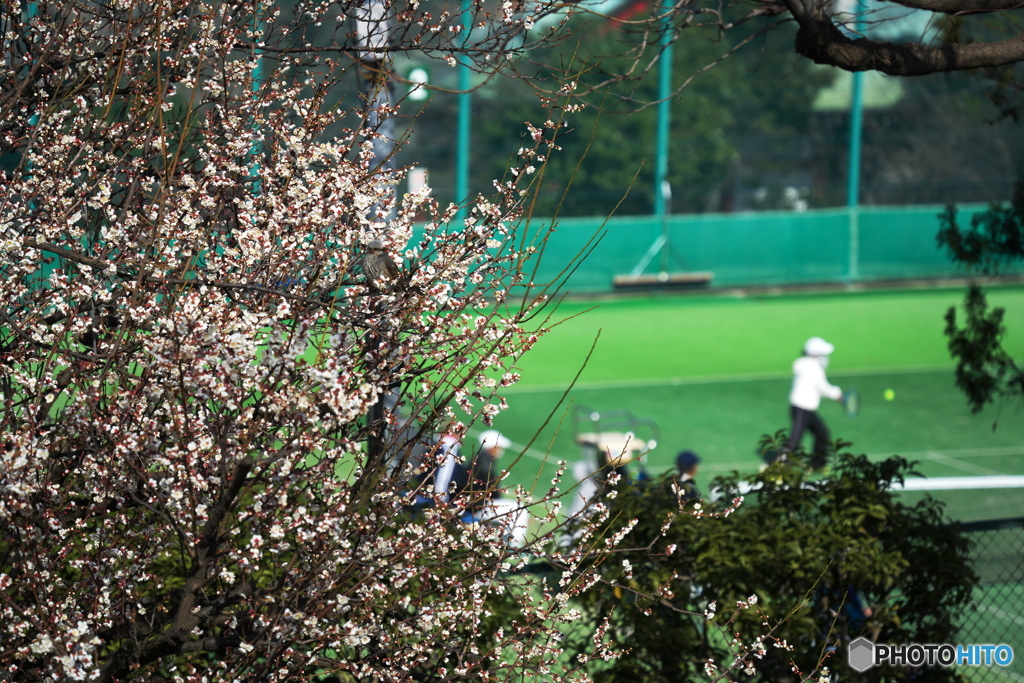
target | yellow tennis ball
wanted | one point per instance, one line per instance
(889, 394)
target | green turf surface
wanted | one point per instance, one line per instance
(697, 336)
(714, 372)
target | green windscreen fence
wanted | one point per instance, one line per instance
(824, 246)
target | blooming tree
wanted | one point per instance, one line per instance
(199, 478)
(211, 400)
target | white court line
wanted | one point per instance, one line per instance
(710, 466)
(959, 453)
(999, 614)
(713, 379)
(1005, 616)
(706, 466)
(998, 673)
(959, 464)
(536, 453)
(1004, 674)
(955, 457)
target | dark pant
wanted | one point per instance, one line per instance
(804, 421)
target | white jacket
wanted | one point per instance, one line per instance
(810, 384)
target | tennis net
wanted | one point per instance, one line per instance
(969, 499)
(965, 499)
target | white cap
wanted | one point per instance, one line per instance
(492, 437)
(816, 346)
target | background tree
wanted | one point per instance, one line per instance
(754, 125)
(607, 157)
(991, 244)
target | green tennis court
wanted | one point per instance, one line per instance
(713, 371)
(994, 617)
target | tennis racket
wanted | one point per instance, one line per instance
(851, 402)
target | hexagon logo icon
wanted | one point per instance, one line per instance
(862, 654)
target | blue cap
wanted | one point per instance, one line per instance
(686, 461)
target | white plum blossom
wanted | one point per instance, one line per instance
(215, 424)
(191, 454)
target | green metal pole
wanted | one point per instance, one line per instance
(856, 129)
(853, 172)
(47, 269)
(33, 11)
(662, 189)
(664, 114)
(463, 141)
(257, 83)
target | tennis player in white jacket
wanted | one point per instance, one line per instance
(810, 385)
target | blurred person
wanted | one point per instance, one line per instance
(449, 469)
(486, 501)
(810, 385)
(444, 475)
(483, 469)
(686, 470)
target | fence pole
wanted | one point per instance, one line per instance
(662, 188)
(853, 173)
(462, 145)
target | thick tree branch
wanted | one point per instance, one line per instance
(961, 6)
(175, 639)
(821, 40)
